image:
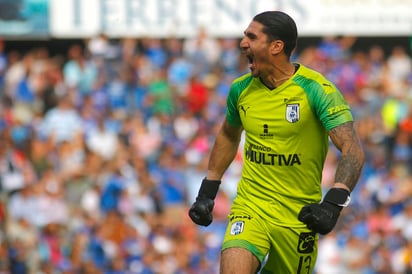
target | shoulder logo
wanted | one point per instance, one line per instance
(244, 109)
(328, 88)
(292, 113)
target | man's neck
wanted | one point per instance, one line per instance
(280, 74)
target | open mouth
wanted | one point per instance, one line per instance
(251, 60)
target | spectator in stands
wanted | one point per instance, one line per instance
(75, 239)
(79, 72)
(63, 122)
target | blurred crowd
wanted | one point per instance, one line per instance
(103, 149)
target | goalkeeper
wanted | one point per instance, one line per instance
(288, 113)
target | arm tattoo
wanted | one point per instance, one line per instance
(350, 164)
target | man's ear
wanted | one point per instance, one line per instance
(276, 47)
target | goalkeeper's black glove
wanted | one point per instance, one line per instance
(201, 210)
(322, 217)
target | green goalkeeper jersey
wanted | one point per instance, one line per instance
(286, 141)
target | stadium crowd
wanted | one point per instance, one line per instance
(102, 151)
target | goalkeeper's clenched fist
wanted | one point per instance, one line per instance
(322, 217)
(201, 210)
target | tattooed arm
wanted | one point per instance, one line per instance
(350, 164)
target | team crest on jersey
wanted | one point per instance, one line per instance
(292, 113)
(237, 227)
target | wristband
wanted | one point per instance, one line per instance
(209, 188)
(338, 196)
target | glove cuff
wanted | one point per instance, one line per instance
(209, 188)
(338, 196)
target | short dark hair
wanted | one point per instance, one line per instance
(279, 25)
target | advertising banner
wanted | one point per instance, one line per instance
(24, 18)
(182, 18)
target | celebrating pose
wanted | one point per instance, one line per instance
(288, 113)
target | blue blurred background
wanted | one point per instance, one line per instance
(109, 110)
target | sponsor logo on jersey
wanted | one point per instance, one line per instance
(291, 100)
(234, 217)
(237, 228)
(336, 109)
(266, 134)
(306, 242)
(264, 157)
(292, 113)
